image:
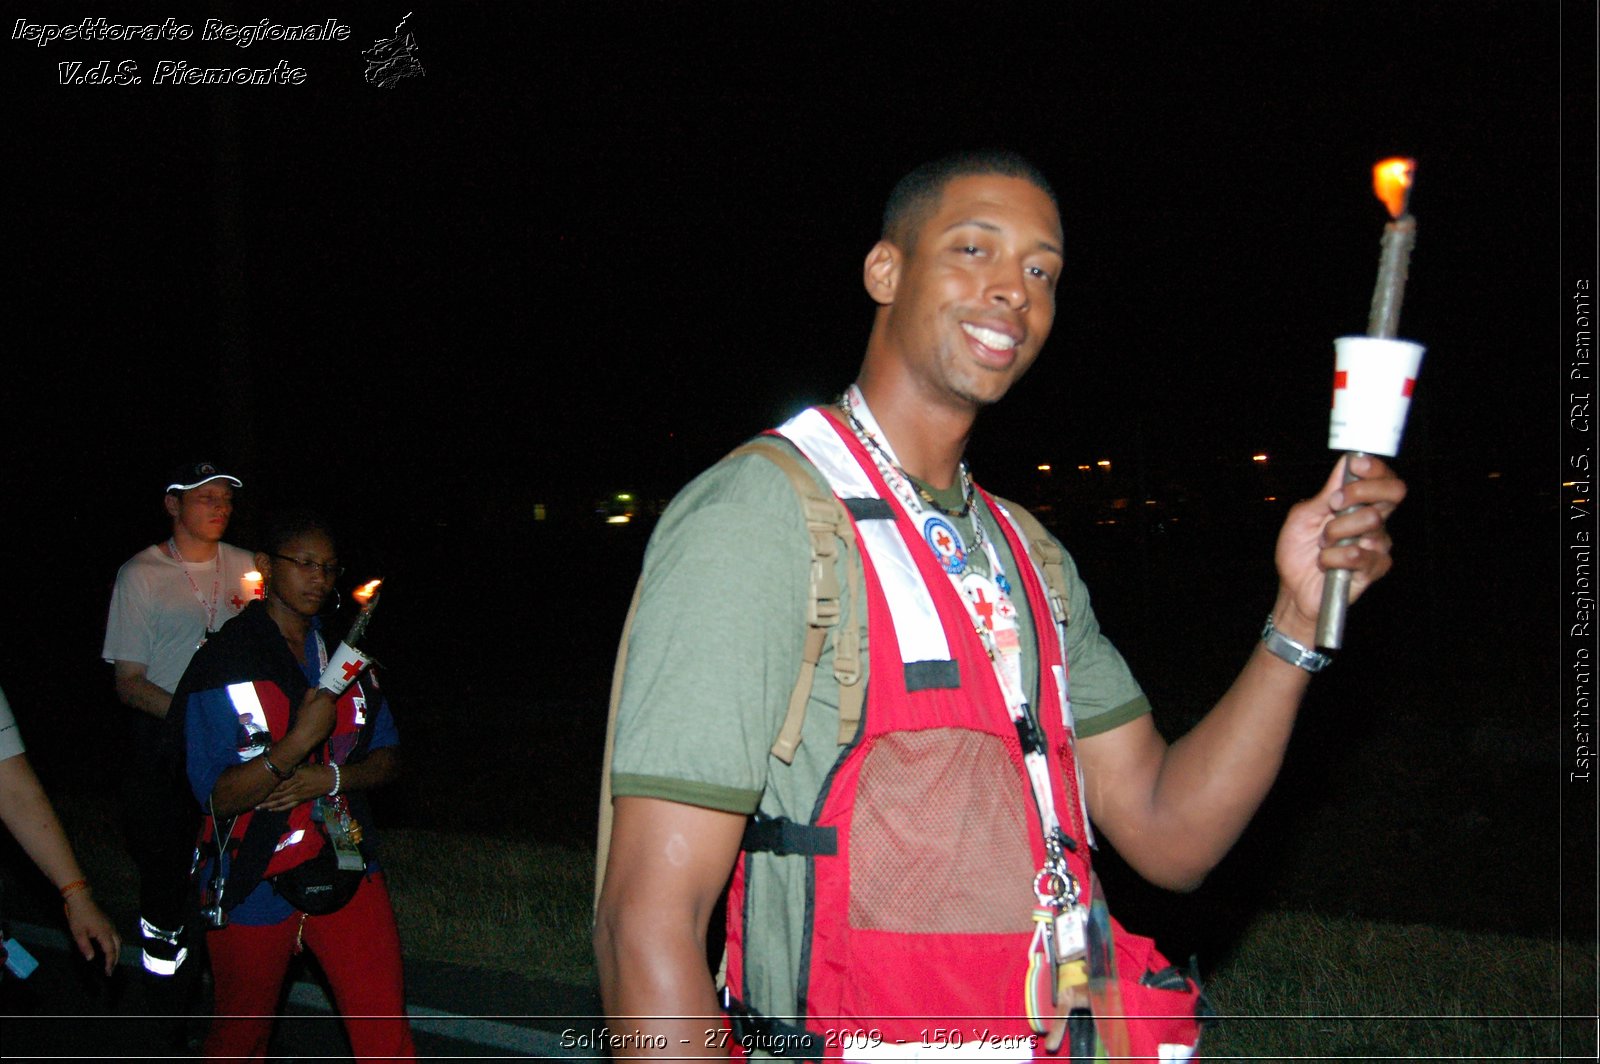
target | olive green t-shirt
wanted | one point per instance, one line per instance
(713, 657)
(716, 646)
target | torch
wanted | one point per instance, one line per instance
(1374, 374)
(348, 661)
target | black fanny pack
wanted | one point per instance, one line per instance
(318, 886)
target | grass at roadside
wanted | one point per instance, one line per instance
(1296, 984)
(1306, 985)
(478, 901)
(493, 903)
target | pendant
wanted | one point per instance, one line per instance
(984, 596)
(946, 544)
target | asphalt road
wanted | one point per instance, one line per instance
(66, 1010)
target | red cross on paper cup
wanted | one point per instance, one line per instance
(1372, 384)
(343, 667)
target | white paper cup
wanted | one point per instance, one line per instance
(343, 668)
(1372, 383)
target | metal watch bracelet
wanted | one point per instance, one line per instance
(1292, 651)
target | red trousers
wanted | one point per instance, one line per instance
(358, 948)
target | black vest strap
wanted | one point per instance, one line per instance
(869, 509)
(758, 1033)
(782, 836)
(926, 675)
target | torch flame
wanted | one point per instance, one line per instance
(364, 593)
(1391, 183)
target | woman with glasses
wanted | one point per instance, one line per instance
(281, 767)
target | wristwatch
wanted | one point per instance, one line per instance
(1296, 654)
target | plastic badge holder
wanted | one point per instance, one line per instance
(19, 962)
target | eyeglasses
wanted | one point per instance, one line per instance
(309, 567)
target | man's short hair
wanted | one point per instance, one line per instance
(916, 196)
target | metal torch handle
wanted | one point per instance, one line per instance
(1336, 584)
(1383, 321)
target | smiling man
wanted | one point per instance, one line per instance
(915, 875)
(166, 600)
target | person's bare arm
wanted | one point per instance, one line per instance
(134, 689)
(246, 785)
(669, 863)
(1173, 811)
(32, 821)
(379, 767)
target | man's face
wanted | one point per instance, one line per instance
(973, 301)
(203, 512)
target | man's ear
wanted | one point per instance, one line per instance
(881, 273)
(170, 501)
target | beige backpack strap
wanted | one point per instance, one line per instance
(1043, 548)
(830, 529)
(602, 848)
(829, 526)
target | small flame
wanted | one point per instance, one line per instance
(364, 593)
(1391, 183)
(252, 584)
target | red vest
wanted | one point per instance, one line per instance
(262, 706)
(922, 917)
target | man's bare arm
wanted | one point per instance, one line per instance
(135, 690)
(1173, 812)
(669, 863)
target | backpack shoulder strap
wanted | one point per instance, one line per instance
(830, 529)
(1044, 549)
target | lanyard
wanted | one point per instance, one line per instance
(996, 627)
(216, 584)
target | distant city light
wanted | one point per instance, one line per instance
(1104, 463)
(1258, 458)
(1270, 498)
(1085, 468)
(1044, 468)
(618, 519)
(623, 496)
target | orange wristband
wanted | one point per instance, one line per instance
(77, 886)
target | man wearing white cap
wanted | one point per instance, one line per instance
(168, 598)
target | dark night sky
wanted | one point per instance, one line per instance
(587, 231)
(595, 246)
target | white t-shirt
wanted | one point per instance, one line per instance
(10, 737)
(159, 615)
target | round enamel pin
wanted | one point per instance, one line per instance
(946, 543)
